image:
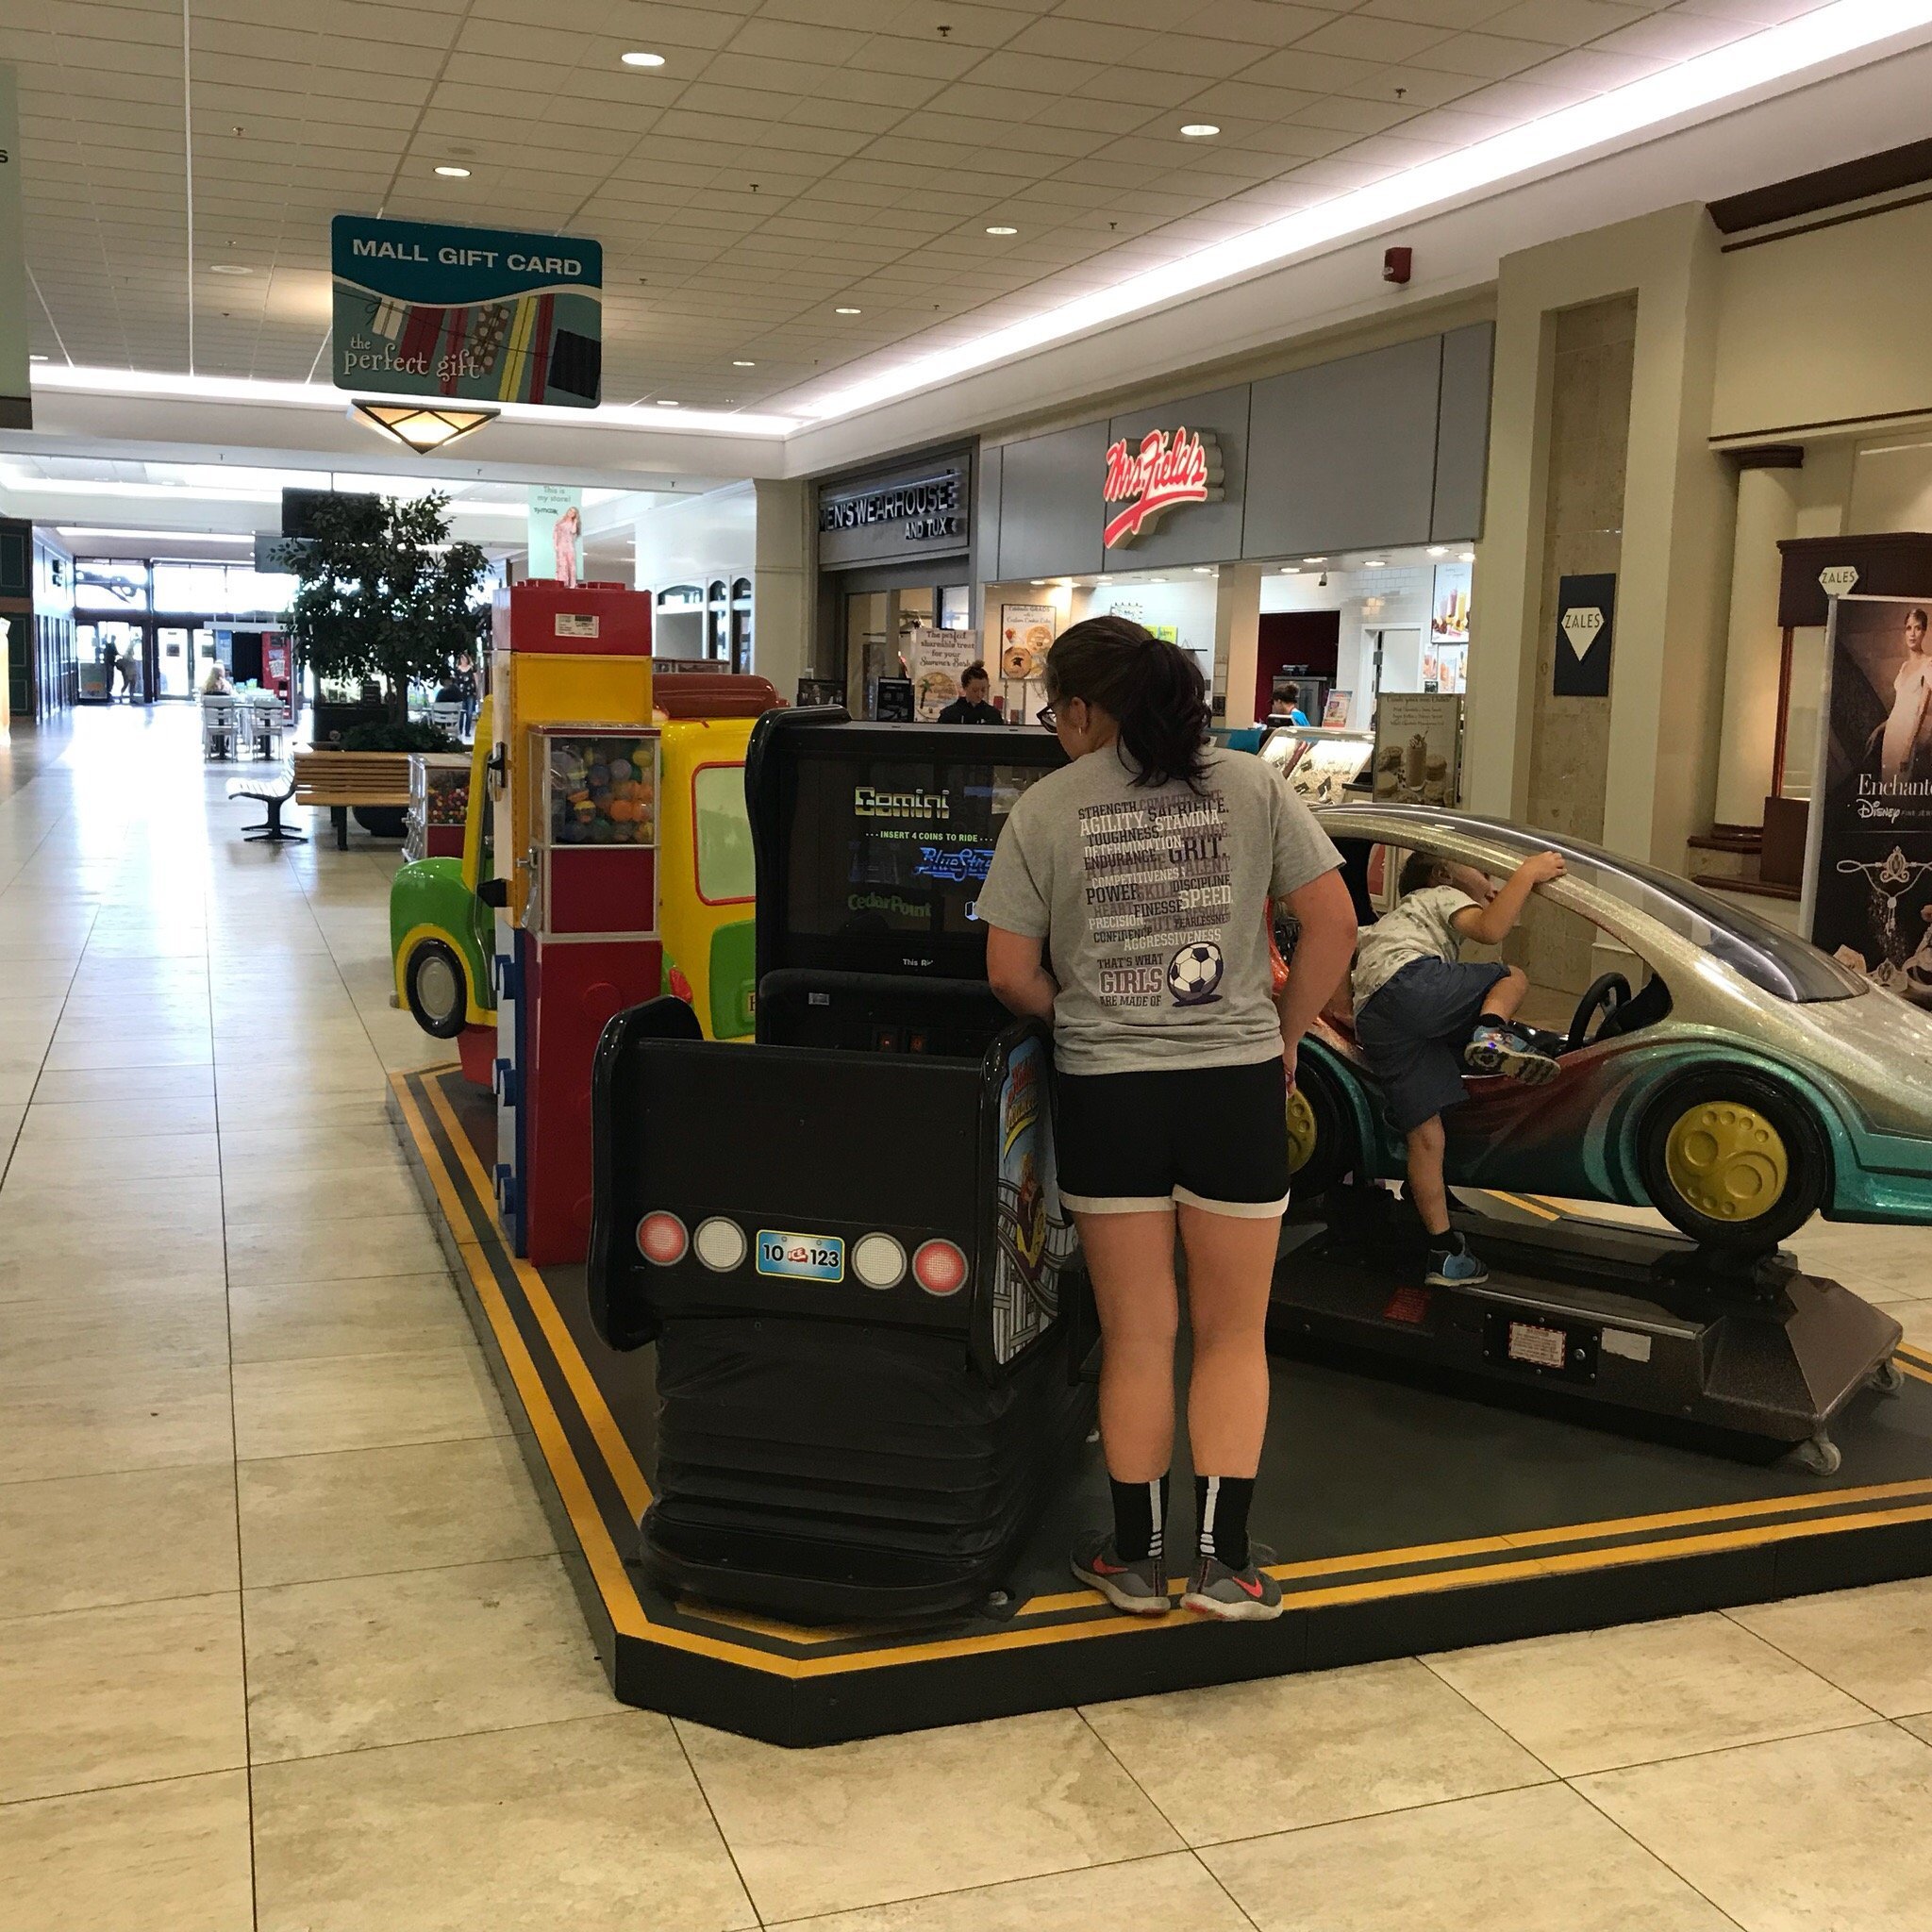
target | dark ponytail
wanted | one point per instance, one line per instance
(1151, 688)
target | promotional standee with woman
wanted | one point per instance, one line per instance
(1127, 905)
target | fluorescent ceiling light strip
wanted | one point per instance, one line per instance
(1776, 54)
(315, 395)
(155, 535)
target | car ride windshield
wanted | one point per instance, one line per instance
(1774, 961)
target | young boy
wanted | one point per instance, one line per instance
(1422, 1015)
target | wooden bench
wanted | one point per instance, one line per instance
(341, 779)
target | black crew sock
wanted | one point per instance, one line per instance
(1220, 1509)
(1483, 1020)
(1139, 1516)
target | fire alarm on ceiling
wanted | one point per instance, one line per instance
(1396, 264)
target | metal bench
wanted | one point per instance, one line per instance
(272, 791)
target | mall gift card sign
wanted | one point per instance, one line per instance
(480, 314)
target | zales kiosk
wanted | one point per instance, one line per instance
(846, 1240)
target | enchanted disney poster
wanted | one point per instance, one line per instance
(1870, 874)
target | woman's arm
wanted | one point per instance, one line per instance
(1023, 984)
(1322, 955)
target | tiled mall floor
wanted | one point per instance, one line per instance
(284, 1640)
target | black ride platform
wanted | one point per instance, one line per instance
(1407, 1518)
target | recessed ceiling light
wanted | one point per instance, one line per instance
(847, 311)
(1204, 570)
(1467, 557)
(1374, 562)
(35, 358)
(1314, 559)
(1290, 570)
(453, 172)
(741, 363)
(665, 403)
(1200, 131)
(229, 268)
(1000, 229)
(1439, 550)
(638, 60)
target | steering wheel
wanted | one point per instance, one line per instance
(1602, 996)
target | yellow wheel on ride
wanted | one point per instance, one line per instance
(1727, 1160)
(1303, 1134)
(1734, 1158)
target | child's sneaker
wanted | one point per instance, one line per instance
(1236, 1596)
(1512, 1051)
(1137, 1589)
(1452, 1265)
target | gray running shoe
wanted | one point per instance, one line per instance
(1236, 1596)
(1511, 1052)
(1137, 1589)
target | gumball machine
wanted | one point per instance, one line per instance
(576, 773)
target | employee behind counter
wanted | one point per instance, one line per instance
(972, 706)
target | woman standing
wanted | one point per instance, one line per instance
(1146, 866)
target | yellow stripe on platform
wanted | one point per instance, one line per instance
(1758, 1526)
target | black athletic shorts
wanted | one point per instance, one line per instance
(1213, 1136)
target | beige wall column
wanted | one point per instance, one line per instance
(1237, 640)
(1767, 514)
(1656, 739)
(783, 585)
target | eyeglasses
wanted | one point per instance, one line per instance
(1044, 717)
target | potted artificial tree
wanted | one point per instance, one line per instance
(385, 597)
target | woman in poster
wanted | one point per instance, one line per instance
(569, 528)
(1904, 742)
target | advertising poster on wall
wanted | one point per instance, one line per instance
(1026, 634)
(1868, 895)
(1418, 748)
(556, 531)
(936, 658)
(1449, 604)
(478, 313)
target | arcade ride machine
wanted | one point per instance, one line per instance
(1724, 1093)
(845, 1240)
(856, 1447)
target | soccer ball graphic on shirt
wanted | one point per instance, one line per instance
(1193, 974)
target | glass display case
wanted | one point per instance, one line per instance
(1319, 764)
(438, 803)
(597, 836)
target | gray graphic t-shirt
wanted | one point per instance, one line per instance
(1153, 904)
(1423, 927)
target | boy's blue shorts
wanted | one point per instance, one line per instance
(1412, 1030)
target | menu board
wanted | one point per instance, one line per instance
(1418, 748)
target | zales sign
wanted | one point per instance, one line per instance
(1163, 473)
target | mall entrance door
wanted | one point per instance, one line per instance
(125, 643)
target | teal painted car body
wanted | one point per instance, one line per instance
(1742, 997)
